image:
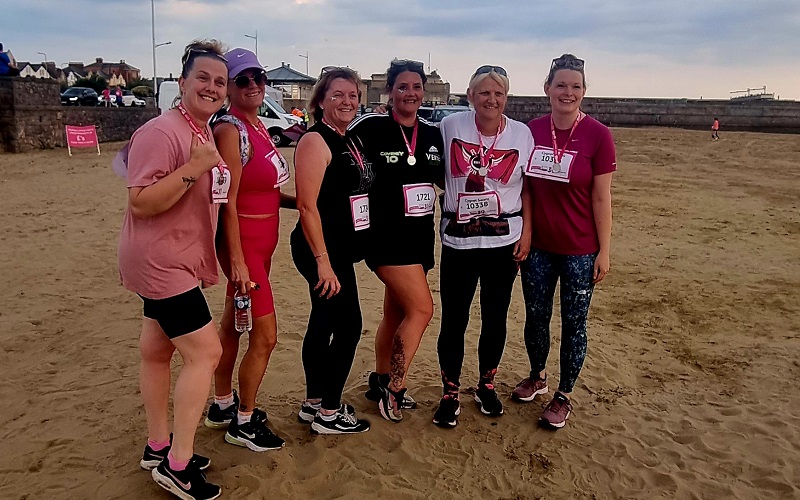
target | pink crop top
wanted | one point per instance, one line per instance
(258, 194)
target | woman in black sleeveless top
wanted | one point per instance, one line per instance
(332, 179)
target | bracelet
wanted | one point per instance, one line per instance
(321, 255)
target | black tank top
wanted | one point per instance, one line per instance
(343, 178)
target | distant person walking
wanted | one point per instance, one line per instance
(8, 66)
(106, 97)
(118, 93)
(715, 129)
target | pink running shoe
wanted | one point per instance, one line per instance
(529, 388)
(557, 411)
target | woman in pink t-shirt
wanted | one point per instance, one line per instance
(570, 181)
(166, 253)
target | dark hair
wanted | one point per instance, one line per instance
(569, 62)
(396, 67)
(328, 75)
(1, 47)
(201, 48)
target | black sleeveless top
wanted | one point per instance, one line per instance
(343, 178)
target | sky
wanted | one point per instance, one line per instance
(644, 48)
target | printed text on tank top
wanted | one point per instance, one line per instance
(221, 177)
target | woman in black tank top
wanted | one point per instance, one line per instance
(332, 179)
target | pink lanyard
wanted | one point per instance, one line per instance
(491, 148)
(556, 155)
(413, 146)
(199, 133)
(350, 146)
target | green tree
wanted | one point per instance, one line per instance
(96, 82)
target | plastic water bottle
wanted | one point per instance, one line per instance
(242, 315)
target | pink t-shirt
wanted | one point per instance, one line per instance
(169, 253)
(563, 217)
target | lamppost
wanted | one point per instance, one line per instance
(306, 58)
(155, 45)
(45, 55)
(254, 37)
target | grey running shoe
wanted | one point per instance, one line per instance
(557, 411)
(529, 388)
(343, 422)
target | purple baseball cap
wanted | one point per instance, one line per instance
(241, 59)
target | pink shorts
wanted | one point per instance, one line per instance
(259, 240)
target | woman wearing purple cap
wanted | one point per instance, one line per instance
(249, 225)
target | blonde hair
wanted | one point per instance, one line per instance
(497, 77)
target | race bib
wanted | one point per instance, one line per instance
(420, 199)
(359, 207)
(473, 205)
(281, 167)
(220, 183)
(544, 166)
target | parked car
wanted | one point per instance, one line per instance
(425, 112)
(128, 99)
(440, 112)
(79, 96)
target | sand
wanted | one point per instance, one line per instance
(689, 389)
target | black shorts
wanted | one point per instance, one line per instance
(180, 314)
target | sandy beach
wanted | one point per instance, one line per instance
(689, 388)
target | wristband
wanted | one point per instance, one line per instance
(321, 255)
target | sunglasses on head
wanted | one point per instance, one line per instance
(328, 69)
(406, 63)
(192, 53)
(488, 69)
(243, 81)
(568, 63)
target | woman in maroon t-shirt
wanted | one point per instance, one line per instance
(570, 178)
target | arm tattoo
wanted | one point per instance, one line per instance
(189, 181)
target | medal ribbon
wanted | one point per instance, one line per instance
(413, 146)
(491, 148)
(350, 146)
(199, 133)
(556, 155)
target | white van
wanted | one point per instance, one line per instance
(283, 127)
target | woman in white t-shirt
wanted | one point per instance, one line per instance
(485, 232)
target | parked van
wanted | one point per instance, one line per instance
(283, 127)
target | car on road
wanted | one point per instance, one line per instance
(79, 96)
(440, 112)
(128, 99)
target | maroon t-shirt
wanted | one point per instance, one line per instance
(563, 218)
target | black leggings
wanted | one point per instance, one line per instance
(460, 271)
(334, 327)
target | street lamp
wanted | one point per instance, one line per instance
(155, 45)
(306, 58)
(254, 37)
(45, 55)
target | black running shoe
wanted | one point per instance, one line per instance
(254, 434)
(487, 399)
(446, 415)
(374, 393)
(217, 418)
(343, 422)
(188, 484)
(152, 458)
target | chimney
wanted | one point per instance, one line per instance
(98, 60)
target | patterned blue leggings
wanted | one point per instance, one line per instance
(540, 272)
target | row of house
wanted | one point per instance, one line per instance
(298, 86)
(116, 74)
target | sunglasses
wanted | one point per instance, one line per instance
(488, 69)
(192, 53)
(406, 63)
(328, 69)
(568, 63)
(243, 81)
